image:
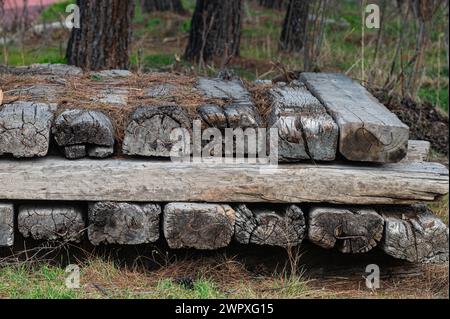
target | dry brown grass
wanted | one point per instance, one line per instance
(85, 91)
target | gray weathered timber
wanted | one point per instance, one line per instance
(123, 223)
(75, 129)
(418, 151)
(415, 234)
(39, 92)
(112, 96)
(227, 90)
(138, 180)
(44, 69)
(282, 226)
(241, 115)
(368, 131)
(238, 112)
(51, 222)
(6, 225)
(200, 226)
(25, 129)
(350, 230)
(75, 151)
(148, 132)
(100, 151)
(161, 90)
(112, 73)
(305, 129)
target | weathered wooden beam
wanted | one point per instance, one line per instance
(227, 90)
(415, 234)
(351, 230)
(43, 69)
(25, 129)
(140, 180)
(197, 225)
(418, 151)
(79, 131)
(280, 226)
(123, 223)
(368, 131)
(56, 222)
(305, 129)
(148, 132)
(6, 225)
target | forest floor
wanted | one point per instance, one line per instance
(158, 43)
(235, 272)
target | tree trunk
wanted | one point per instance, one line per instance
(293, 35)
(272, 4)
(103, 39)
(215, 30)
(162, 5)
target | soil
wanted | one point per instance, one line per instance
(424, 120)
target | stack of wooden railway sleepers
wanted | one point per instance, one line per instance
(89, 156)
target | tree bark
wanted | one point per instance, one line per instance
(293, 35)
(162, 5)
(103, 39)
(215, 30)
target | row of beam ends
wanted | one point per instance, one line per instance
(412, 233)
(319, 116)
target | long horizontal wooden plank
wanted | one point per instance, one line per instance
(139, 180)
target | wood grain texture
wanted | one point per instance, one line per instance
(368, 131)
(6, 225)
(76, 127)
(415, 234)
(282, 226)
(196, 225)
(51, 222)
(148, 132)
(43, 69)
(305, 129)
(25, 129)
(149, 181)
(350, 230)
(123, 223)
(418, 151)
(227, 90)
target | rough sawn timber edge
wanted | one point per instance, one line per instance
(158, 181)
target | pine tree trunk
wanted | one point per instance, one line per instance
(272, 4)
(215, 30)
(162, 5)
(293, 35)
(103, 39)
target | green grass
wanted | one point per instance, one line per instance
(16, 56)
(434, 96)
(43, 282)
(159, 60)
(56, 11)
(341, 51)
(202, 289)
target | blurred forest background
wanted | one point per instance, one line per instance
(408, 55)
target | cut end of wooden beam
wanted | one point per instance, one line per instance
(351, 230)
(123, 223)
(200, 226)
(368, 131)
(282, 226)
(45, 222)
(415, 234)
(6, 225)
